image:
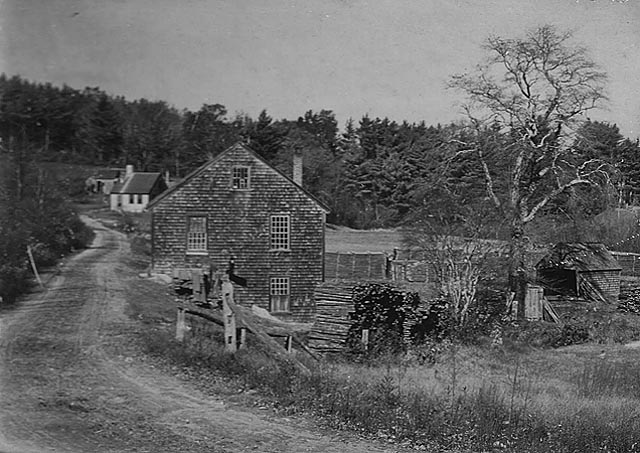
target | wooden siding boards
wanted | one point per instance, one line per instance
(238, 225)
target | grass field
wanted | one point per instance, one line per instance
(512, 397)
(343, 239)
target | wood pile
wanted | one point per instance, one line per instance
(334, 306)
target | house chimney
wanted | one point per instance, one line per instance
(297, 168)
(128, 171)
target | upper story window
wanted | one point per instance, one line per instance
(196, 234)
(280, 232)
(240, 177)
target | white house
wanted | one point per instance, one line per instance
(136, 190)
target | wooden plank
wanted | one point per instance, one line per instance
(533, 303)
(180, 325)
(273, 346)
(33, 266)
(552, 313)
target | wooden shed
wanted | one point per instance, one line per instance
(585, 270)
(239, 207)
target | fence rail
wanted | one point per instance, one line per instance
(629, 262)
(355, 266)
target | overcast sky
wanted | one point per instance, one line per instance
(355, 57)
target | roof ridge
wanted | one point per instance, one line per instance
(206, 165)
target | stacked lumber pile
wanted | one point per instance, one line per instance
(334, 306)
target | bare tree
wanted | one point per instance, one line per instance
(453, 240)
(532, 92)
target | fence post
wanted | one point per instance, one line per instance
(289, 344)
(365, 338)
(243, 338)
(353, 266)
(33, 265)
(229, 318)
(180, 325)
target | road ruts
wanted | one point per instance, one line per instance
(70, 381)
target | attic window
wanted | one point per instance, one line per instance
(240, 178)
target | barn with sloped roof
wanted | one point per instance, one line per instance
(586, 270)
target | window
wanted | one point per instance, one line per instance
(280, 232)
(279, 294)
(131, 198)
(139, 198)
(240, 178)
(197, 234)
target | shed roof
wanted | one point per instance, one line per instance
(138, 183)
(580, 256)
(201, 169)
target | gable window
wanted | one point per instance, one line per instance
(279, 294)
(280, 232)
(197, 234)
(240, 178)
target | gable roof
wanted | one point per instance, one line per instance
(138, 183)
(219, 157)
(579, 256)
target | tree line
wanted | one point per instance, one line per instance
(374, 172)
(527, 154)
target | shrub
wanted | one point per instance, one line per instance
(15, 279)
(36, 216)
(487, 310)
(546, 335)
(391, 315)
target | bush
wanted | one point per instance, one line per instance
(38, 217)
(546, 335)
(487, 310)
(392, 317)
(14, 280)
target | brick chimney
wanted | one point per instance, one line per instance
(297, 168)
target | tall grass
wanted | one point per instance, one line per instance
(471, 400)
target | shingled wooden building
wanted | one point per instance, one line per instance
(238, 206)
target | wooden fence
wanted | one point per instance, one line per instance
(355, 266)
(629, 262)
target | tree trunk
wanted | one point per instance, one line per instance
(517, 264)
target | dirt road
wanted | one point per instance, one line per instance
(70, 380)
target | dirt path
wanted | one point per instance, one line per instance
(71, 382)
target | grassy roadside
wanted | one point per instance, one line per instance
(516, 398)
(474, 398)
